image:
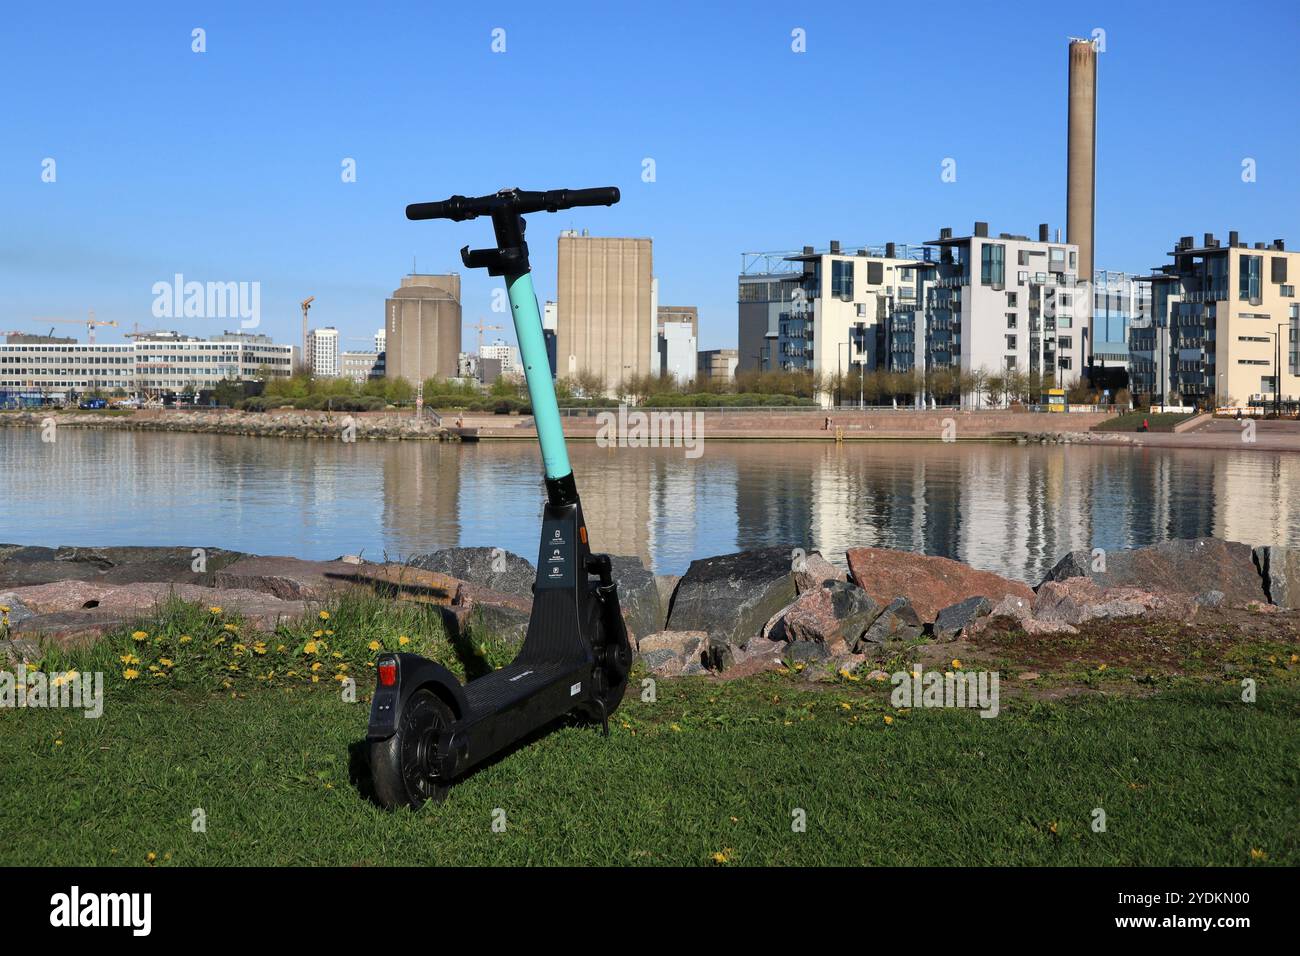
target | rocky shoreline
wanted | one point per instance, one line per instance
(734, 614)
(360, 426)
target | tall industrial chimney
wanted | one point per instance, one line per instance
(1081, 152)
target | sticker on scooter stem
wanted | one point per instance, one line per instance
(555, 561)
(575, 689)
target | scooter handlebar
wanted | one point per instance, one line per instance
(460, 208)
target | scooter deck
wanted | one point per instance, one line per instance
(506, 687)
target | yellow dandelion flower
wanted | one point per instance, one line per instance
(184, 639)
(150, 857)
(279, 649)
(139, 635)
(404, 640)
(888, 719)
(316, 666)
(315, 679)
(720, 858)
(130, 674)
(214, 610)
(336, 655)
(374, 645)
(340, 677)
(328, 632)
(1258, 854)
(1051, 827)
(956, 664)
(676, 728)
(230, 627)
(324, 615)
(309, 647)
(1101, 667)
(165, 661)
(317, 633)
(845, 705)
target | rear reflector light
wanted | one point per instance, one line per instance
(387, 673)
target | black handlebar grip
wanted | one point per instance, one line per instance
(453, 208)
(597, 196)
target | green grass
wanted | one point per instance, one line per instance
(1189, 776)
(1129, 421)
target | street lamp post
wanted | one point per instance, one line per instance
(839, 360)
(1277, 369)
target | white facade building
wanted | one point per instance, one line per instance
(323, 352)
(507, 355)
(678, 354)
(1008, 303)
(146, 368)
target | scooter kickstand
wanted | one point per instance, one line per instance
(604, 716)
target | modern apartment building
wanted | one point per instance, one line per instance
(1006, 302)
(1118, 298)
(323, 352)
(422, 328)
(1223, 327)
(824, 311)
(718, 365)
(606, 317)
(148, 367)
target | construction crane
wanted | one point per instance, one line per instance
(306, 305)
(90, 324)
(481, 329)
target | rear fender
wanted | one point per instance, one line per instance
(413, 673)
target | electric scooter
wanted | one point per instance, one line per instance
(426, 728)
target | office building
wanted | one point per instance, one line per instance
(360, 367)
(150, 366)
(717, 365)
(422, 328)
(678, 313)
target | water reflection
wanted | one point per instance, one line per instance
(1010, 509)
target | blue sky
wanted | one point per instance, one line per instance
(225, 165)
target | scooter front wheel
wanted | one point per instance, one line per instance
(401, 767)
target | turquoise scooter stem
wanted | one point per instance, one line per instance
(537, 371)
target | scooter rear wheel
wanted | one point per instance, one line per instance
(401, 767)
